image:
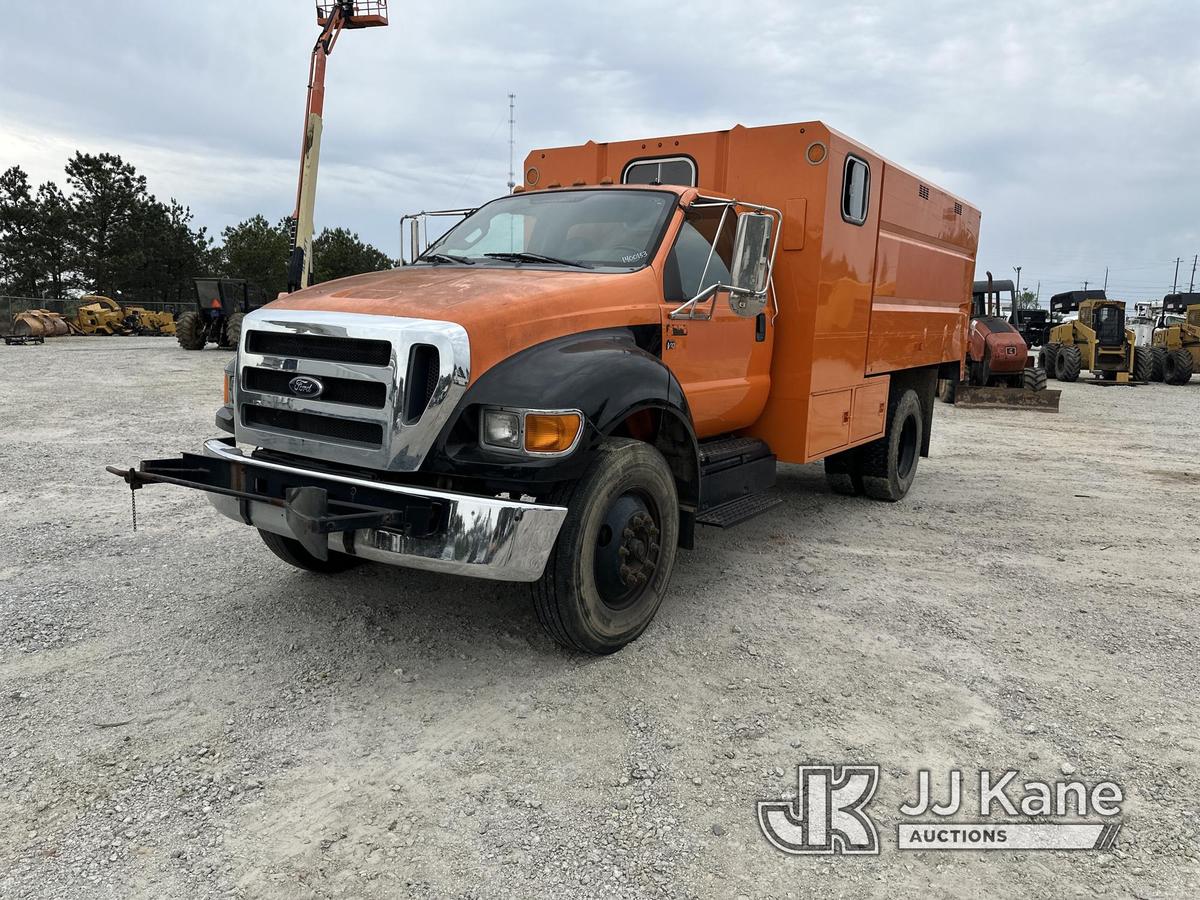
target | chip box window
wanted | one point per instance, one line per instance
(665, 170)
(856, 189)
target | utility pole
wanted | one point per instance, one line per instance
(1037, 299)
(512, 140)
(1192, 283)
(1175, 283)
(1106, 278)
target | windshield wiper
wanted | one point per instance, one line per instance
(524, 256)
(444, 257)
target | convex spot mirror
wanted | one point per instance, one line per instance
(751, 263)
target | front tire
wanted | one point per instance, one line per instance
(292, 552)
(947, 390)
(1159, 359)
(1178, 367)
(1048, 359)
(889, 465)
(1143, 364)
(612, 562)
(1068, 363)
(189, 331)
(1034, 379)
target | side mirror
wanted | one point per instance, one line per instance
(414, 239)
(751, 263)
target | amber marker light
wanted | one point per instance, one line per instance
(225, 389)
(551, 432)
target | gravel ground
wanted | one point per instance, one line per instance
(182, 715)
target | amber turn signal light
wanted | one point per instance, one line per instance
(225, 392)
(551, 432)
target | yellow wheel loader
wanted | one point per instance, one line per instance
(1091, 336)
(101, 315)
(1176, 339)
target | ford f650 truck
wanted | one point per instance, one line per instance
(576, 375)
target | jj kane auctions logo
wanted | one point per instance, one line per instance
(829, 814)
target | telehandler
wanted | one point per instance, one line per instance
(1176, 339)
(574, 377)
(1092, 336)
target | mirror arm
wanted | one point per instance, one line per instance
(688, 309)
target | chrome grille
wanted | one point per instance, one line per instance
(337, 390)
(348, 350)
(388, 385)
(306, 423)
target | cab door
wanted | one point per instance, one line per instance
(723, 361)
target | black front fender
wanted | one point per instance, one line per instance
(604, 374)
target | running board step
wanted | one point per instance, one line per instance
(735, 512)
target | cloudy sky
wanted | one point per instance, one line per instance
(1073, 126)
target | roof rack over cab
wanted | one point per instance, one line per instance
(1070, 300)
(1180, 302)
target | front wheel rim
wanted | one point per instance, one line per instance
(627, 550)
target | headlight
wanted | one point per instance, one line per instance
(502, 428)
(532, 432)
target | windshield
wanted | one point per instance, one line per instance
(603, 229)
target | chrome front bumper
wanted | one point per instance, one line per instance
(482, 537)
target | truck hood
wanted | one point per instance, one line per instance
(504, 310)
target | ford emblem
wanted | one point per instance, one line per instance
(303, 386)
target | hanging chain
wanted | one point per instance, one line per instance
(133, 506)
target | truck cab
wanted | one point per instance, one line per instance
(577, 375)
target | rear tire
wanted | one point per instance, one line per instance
(1048, 361)
(1143, 364)
(1034, 379)
(1068, 363)
(1178, 367)
(889, 464)
(1159, 358)
(233, 331)
(612, 562)
(189, 331)
(292, 552)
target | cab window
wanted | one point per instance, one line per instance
(685, 268)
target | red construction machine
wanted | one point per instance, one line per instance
(997, 371)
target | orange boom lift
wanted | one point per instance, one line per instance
(333, 18)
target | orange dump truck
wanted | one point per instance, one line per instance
(575, 376)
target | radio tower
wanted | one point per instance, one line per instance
(512, 139)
